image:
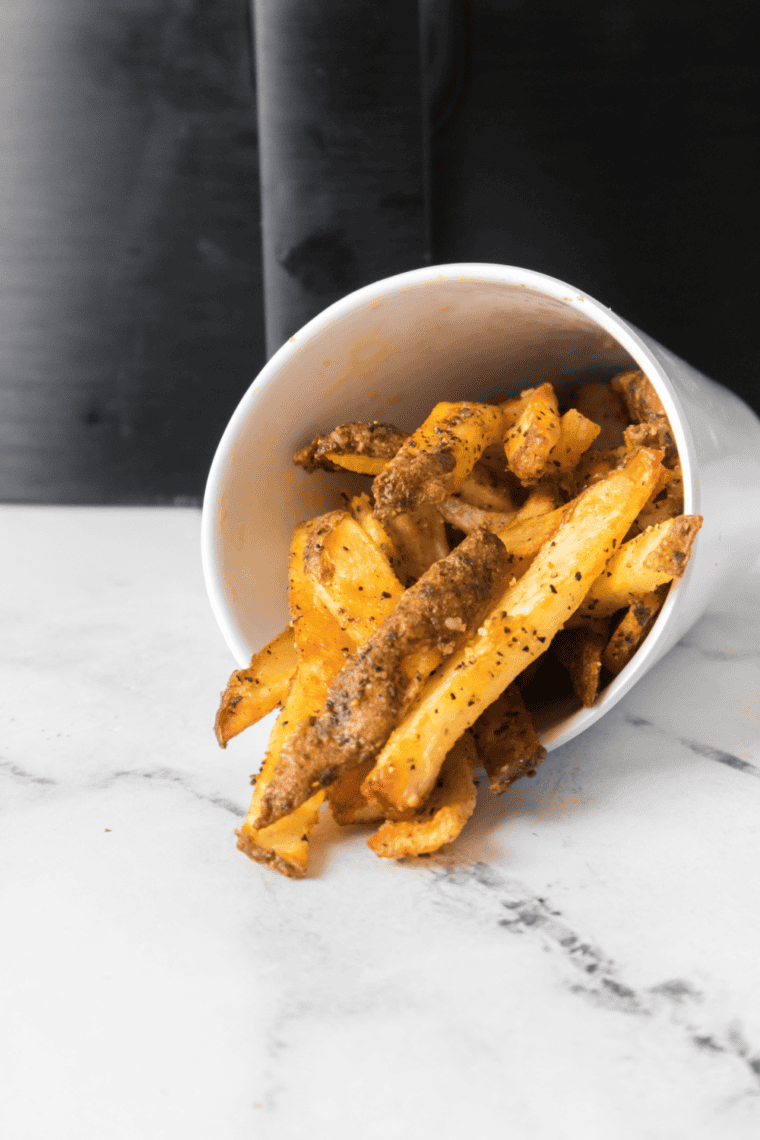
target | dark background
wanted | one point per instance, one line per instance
(613, 145)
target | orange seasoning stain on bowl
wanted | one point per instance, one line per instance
(365, 355)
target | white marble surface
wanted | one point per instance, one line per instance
(583, 964)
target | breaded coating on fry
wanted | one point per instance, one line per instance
(379, 441)
(506, 740)
(437, 459)
(646, 410)
(372, 692)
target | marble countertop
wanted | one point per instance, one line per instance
(583, 963)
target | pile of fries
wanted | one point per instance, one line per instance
(501, 547)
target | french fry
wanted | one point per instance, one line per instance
(530, 436)
(481, 489)
(434, 462)
(601, 404)
(506, 740)
(440, 821)
(361, 509)
(468, 518)
(632, 630)
(543, 498)
(350, 576)
(518, 629)
(580, 651)
(322, 649)
(420, 538)
(347, 802)
(576, 436)
(253, 692)
(378, 684)
(335, 451)
(645, 407)
(649, 560)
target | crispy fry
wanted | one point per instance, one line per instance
(350, 575)
(635, 625)
(379, 683)
(361, 509)
(601, 404)
(322, 649)
(654, 557)
(347, 802)
(580, 651)
(440, 821)
(481, 489)
(420, 538)
(518, 629)
(378, 442)
(468, 518)
(530, 438)
(576, 436)
(645, 407)
(506, 740)
(436, 460)
(543, 498)
(253, 692)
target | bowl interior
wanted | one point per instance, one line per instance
(388, 353)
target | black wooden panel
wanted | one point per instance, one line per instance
(342, 151)
(617, 146)
(130, 280)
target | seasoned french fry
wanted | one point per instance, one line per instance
(642, 564)
(436, 460)
(420, 538)
(253, 692)
(543, 498)
(518, 629)
(334, 451)
(347, 802)
(350, 575)
(322, 650)
(506, 740)
(601, 404)
(645, 407)
(468, 518)
(440, 821)
(632, 630)
(580, 651)
(480, 489)
(361, 509)
(379, 683)
(535, 431)
(576, 436)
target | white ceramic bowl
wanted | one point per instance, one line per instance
(389, 352)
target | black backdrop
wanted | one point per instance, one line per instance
(613, 145)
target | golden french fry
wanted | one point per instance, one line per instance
(253, 692)
(436, 460)
(440, 821)
(350, 575)
(378, 684)
(347, 802)
(468, 518)
(518, 629)
(645, 562)
(481, 489)
(634, 627)
(374, 441)
(420, 538)
(361, 509)
(529, 440)
(506, 740)
(322, 649)
(576, 436)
